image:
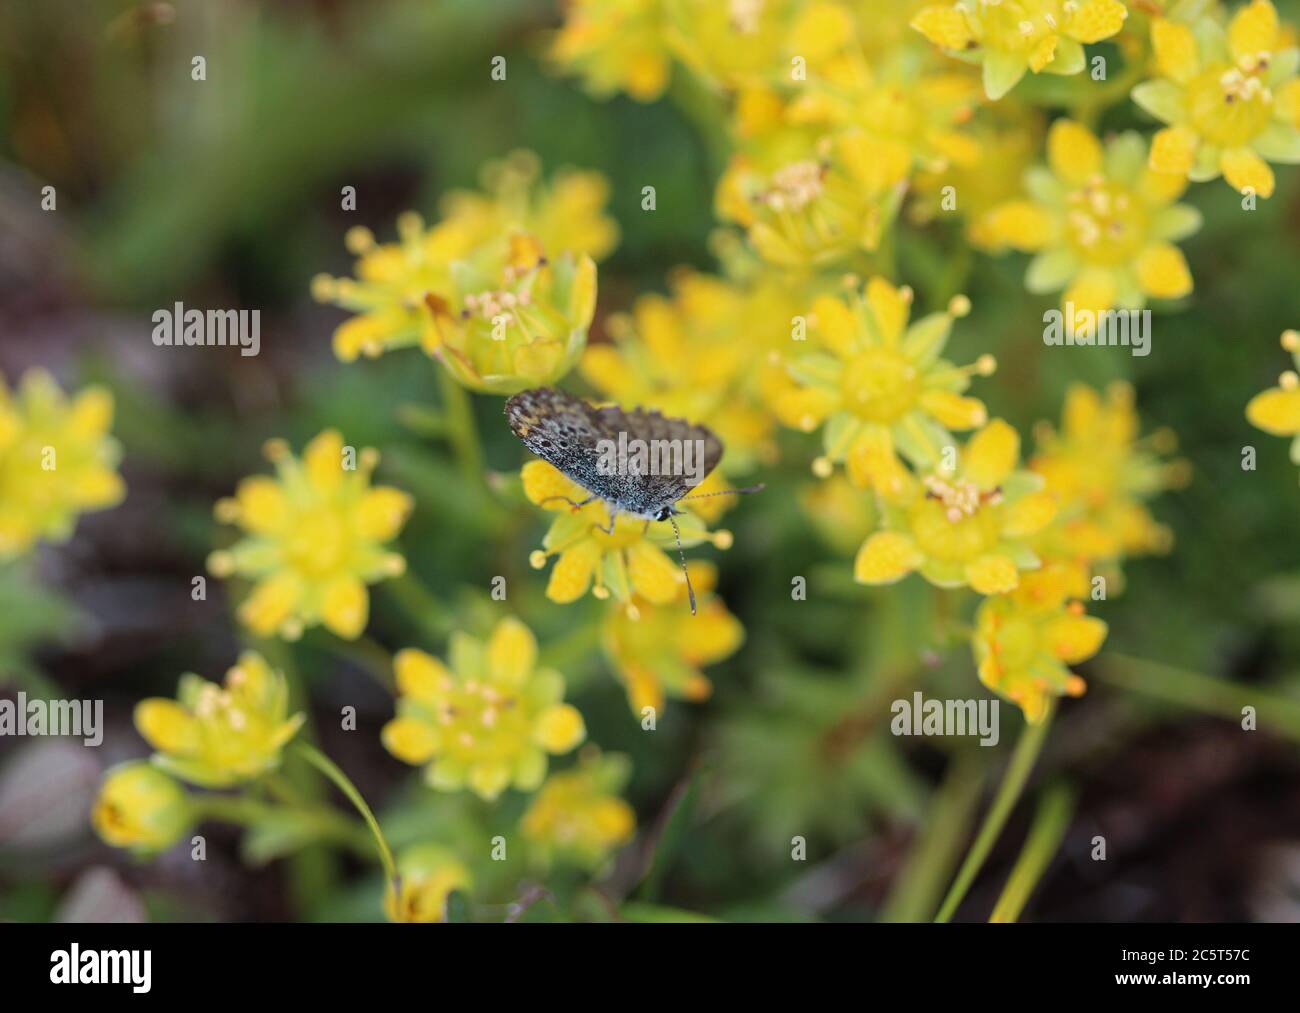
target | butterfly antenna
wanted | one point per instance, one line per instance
(728, 492)
(690, 591)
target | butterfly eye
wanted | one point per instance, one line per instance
(664, 514)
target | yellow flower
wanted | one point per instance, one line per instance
(1101, 475)
(881, 389)
(315, 538)
(629, 561)
(140, 807)
(1024, 641)
(428, 874)
(484, 243)
(1277, 410)
(520, 324)
(739, 42)
(663, 649)
(615, 45)
(1101, 221)
(215, 736)
(578, 813)
(807, 199)
(1014, 36)
(57, 461)
(1231, 98)
(965, 525)
(692, 355)
(487, 719)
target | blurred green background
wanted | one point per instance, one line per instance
(226, 193)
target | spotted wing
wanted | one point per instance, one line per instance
(561, 429)
(645, 493)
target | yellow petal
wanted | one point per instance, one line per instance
(559, 728)
(345, 607)
(263, 506)
(1276, 411)
(890, 306)
(1253, 32)
(271, 602)
(572, 573)
(886, 557)
(544, 484)
(323, 460)
(1162, 271)
(944, 26)
(1094, 20)
(1244, 169)
(511, 652)
(954, 411)
(91, 413)
(1029, 514)
(1175, 50)
(488, 780)
(1173, 150)
(166, 725)
(1075, 638)
(538, 361)
(835, 325)
(874, 464)
(1091, 290)
(1043, 53)
(410, 740)
(421, 676)
(382, 512)
(1017, 224)
(993, 574)
(653, 575)
(1073, 152)
(991, 454)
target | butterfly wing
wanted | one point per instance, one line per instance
(646, 493)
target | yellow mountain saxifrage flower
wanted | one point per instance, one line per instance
(474, 238)
(1102, 474)
(881, 389)
(692, 355)
(1231, 99)
(660, 650)
(615, 45)
(487, 719)
(734, 43)
(578, 814)
(140, 807)
(219, 735)
(1024, 641)
(428, 874)
(807, 200)
(520, 323)
(965, 525)
(1101, 221)
(1010, 37)
(631, 561)
(1277, 410)
(315, 537)
(57, 460)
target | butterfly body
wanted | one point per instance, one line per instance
(576, 438)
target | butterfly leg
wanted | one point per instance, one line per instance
(572, 503)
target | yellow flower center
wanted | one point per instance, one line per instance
(482, 724)
(1017, 26)
(953, 532)
(1106, 223)
(318, 544)
(1228, 106)
(881, 385)
(795, 186)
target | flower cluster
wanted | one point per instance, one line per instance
(57, 461)
(315, 536)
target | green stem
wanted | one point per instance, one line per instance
(1050, 823)
(1204, 693)
(250, 812)
(917, 889)
(331, 770)
(1013, 783)
(461, 428)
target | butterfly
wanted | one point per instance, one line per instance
(583, 442)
